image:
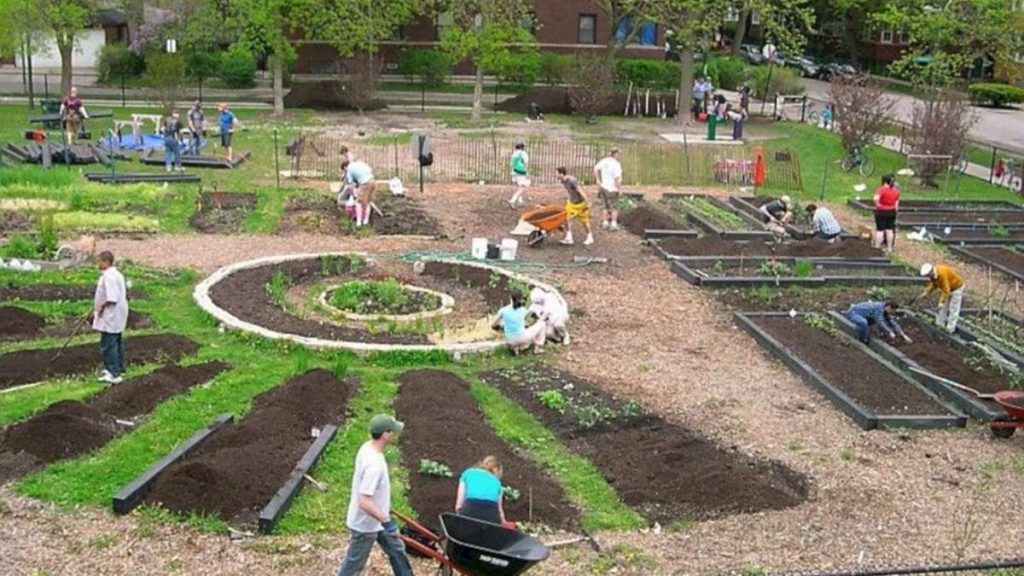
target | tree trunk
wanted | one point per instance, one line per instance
(683, 115)
(853, 37)
(478, 94)
(134, 11)
(741, 32)
(66, 49)
(277, 69)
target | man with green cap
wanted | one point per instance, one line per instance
(369, 506)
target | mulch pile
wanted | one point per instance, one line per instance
(714, 246)
(236, 472)
(28, 366)
(664, 471)
(222, 213)
(553, 100)
(444, 423)
(646, 218)
(327, 95)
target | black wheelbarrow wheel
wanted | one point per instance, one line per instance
(535, 238)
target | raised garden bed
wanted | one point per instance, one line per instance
(717, 273)
(853, 377)
(649, 222)
(942, 357)
(710, 247)
(37, 365)
(222, 212)
(389, 297)
(689, 478)
(752, 206)
(237, 472)
(20, 324)
(820, 299)
(937, 206)
(964, 236)
(69, 428)
(998, 330)
(717, 217)
(934, 220)
(1007, 260)
(444, 424)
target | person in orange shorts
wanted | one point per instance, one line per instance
(576, 207)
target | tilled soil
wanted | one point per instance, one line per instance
(713, 246)
(403, 216)
(36, 365)
(664, 471)
(966, 206)
(938, 354)
(645, 218)
(862, 378)
(1007, 257)
(235, 473)
(443, 423)
(957, 234)
(807, 299)
(13, 222)
(754, 269)
(307, 214)
(981, 217)
(49, 292)
(18, 323)
(224, 213)
(71, 428)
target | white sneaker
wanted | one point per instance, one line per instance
(567, 241)
(105, 376)
(605, 224)
(512, 204)
(116, 380)
(614, 226)
(589, 240)
(565, 339)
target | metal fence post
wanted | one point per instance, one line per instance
(123, 104)
(824, 179)
(992, 166)
(277, 161)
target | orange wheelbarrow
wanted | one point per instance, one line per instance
(545, 219)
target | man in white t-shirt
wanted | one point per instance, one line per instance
(369, 505)
(110, 316)
(608, 173)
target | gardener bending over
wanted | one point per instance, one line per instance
(823, 224)
(881, 314)
(512, 320)
(552, 313)
(951, 287)
(776, 214)
(480, 494)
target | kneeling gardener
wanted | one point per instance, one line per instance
(871, 313)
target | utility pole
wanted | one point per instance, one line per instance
(28, 59)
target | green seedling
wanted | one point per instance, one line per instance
(433, 468)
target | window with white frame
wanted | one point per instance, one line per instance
(755, 18)
(886, 35)
(587, 31)
(732, 14)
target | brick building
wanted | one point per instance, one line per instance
(562, 26)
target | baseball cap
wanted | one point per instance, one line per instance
(785, 200)
(382, 423)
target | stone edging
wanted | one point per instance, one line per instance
(201, 295)
(447, 303)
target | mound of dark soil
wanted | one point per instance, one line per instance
(237, 471)
(50, 292)
(141, 395)
(19, 323)
(63, 430)
(222, 213)
(646, 218)
(444, 423)
(327, 95)
(28, 366)
(13, 221)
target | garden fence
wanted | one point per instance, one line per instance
(486, 159)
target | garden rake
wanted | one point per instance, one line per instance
(74, 332)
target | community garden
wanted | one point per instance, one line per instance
(713, 413)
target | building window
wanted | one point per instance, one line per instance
(587, 33)
(732, 14)
(443, 21)
(647, 35)
(755, 18)
(886, 35)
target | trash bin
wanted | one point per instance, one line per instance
(51, 106)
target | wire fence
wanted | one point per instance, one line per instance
(315, 155)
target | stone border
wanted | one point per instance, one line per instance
(447, 303)
(201, 295)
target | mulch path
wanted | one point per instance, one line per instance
(443, 423)
(36, 365)
(664, 471)
(222, 213)
(236, 472)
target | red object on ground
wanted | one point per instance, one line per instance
(1012, 401)
(510, 525)
(759, 167)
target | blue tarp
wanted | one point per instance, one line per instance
(128, 142)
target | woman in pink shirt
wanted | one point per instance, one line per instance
(887, 203)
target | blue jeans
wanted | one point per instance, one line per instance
(195, 143)
(361, 543)
(112, 350)
(172, 153)
(862, 324)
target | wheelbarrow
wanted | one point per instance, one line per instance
(1012, 402)
(473, 547)
(544, 219)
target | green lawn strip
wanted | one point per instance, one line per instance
(269, 209)
(315, 511)
(601, 505)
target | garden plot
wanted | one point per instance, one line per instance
(989, 235)
(236, 472)
(1006, 259)
(767, 272)
(982, 219)
(403, 216)
(650, 222)
(751, 206)
(37, 365)
(445, 433)
(12, 222)
(19, 324)
(665, 472)
(716, 217)
(818, 299)
(713, 248)
(222, 212)
(935, 206)
(68, 429)
(856, 379)
(998, 330)
(53, 292)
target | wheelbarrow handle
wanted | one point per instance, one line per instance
(416, 526)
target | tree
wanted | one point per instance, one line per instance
(940, 123)
(592, 86)
(635, 11)
(488, 33)
(264, 32)
(860, 109)
(165, 74)
(848, 19)
(60, 19)
(945, 42)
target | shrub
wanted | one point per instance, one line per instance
(861, 110)
(555, 69)
(592, 86)
(784, 81)
(49, 240)
(20, 247)
(431, 67)
(165, 73)
(237, 68)
(117, 61)
(643, 74)
(203, 64)
(519, 69)
(998, 95)
(727, 73)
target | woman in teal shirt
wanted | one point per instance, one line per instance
(480, 492)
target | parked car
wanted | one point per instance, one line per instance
(833, 69)
(805, 66)
(751, 54)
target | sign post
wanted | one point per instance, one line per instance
(422, 153)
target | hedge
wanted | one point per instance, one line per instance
(556, 69)
(237, 68)
(998, 95)
(784, 81)
(118, 61)
(727, 73)
(643, 74)
(430, 67)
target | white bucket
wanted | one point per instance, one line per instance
(479, 249)
(335, 187)
(509, 248)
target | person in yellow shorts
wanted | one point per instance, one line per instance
(576, 207)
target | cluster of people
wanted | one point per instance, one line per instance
(188, 137)
(778, 214)
(548, 313)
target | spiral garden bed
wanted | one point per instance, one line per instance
(288, 297)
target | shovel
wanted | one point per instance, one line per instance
(74, 332)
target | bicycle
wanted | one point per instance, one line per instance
(856, 158)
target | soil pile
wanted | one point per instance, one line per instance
(222, 213)
(63, 430)
(48, 292)
(691, 477)
(28, 366)
(443, 423)
(141, 395)
(553, 100)
(237, 471)
(646, 218)
(328, 95)
(19, 323)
